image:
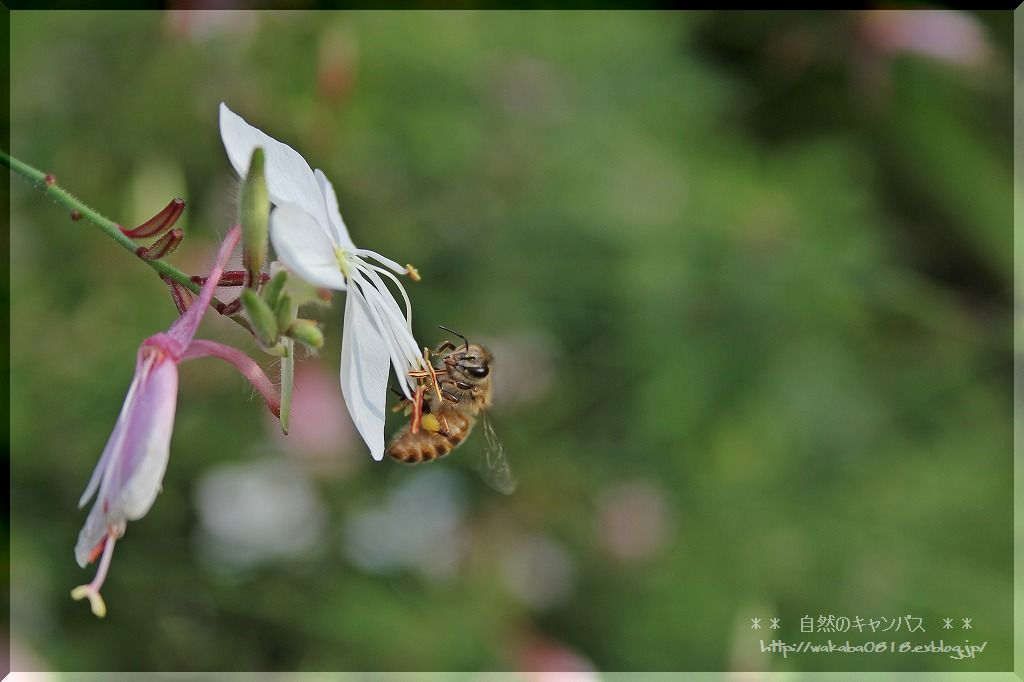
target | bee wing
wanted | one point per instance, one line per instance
(494, 468)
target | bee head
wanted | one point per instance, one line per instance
(472, 361)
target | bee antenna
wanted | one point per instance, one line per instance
(456, 334)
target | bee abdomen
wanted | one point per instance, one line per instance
(413, 448)
(427, 446)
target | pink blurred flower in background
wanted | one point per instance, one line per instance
(547, 660)
(633, 520)
(128, 476)
(945, 35)
(204, 22)
(320, 434)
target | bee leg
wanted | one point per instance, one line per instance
(434, 383)
(417, 410)
(450, 397)
(402, 403)
(445, 345)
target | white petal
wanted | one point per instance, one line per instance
(364, 372)
(302, 245)
(289, 177)
(333, 214)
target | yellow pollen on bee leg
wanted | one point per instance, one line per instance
(430, 423)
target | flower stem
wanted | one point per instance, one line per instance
(49, 186)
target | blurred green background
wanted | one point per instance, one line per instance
(748, 283)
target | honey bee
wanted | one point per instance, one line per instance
(449, 401)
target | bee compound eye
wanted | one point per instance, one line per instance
(479, 372)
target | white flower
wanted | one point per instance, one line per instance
(311, 239)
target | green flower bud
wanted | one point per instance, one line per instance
(272, 290)
(284, 311)
(263, 320)
(254, 215)
(287, 382)
(307, 332)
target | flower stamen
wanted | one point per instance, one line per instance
(357, 289)
(401, 289)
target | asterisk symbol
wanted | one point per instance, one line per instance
(947, 623)
(755, 623)
(775, 624)
(967, 623)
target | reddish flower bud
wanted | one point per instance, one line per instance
(161, 247)
(160, 223)
(181, 296)
(50, 179)
(230, 308)
(76, 214)
(231, 278)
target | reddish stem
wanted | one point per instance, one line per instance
(185, 328)
(246, 366)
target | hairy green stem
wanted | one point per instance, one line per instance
(49, 186)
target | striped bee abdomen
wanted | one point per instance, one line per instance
(426, 446)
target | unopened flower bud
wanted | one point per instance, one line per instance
(272, 290)
(285, 312)
(254, 215)
(263, 320)
(160, 223)
(307, 332)
(164, 246)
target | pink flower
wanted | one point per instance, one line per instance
(128, 477)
